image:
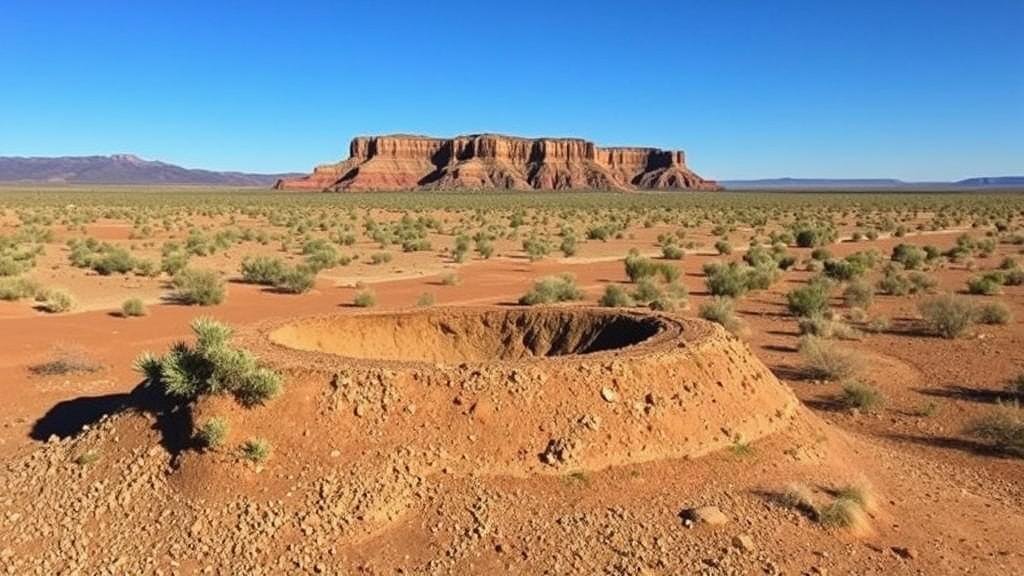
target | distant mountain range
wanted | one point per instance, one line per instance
(129, 169)
(119, 169)
(870, 183)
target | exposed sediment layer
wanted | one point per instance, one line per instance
(490, 161)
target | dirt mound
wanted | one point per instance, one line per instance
(456, 336)
(488, 161)
(373, 443)
(521, 391)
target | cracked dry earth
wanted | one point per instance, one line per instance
(565, 440)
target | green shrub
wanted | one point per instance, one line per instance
(721, 311)
(726, 279)
(296, 280)
(859, 294)
(213, 432)
(986, 285)
(426, 299)
(911, 257)
(263, 270)
(825, 327)
(210, 366)
(536, 248)
(615, 296)
(723, 247)
(672, 252)
(365, 299)
(17, 288)
(947, 315)
(827, 361)
(133, 307)
(861, 396)
(552, 289)
(202, 287)
(810, 299)
(450, 279)
(114, 261)
(568, 245)
(992, 313)
(256, 450)
(1002, 427)
(56, 301)
(380, 258)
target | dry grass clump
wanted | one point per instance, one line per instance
(992, 313)
(55, 300)
(66, 360)
(824, 359)
(860, 396)
(722, 310)
(256, 450)
(133, 307)
(947, 315)
(848, 507)
(1002, 427)
(213, 432)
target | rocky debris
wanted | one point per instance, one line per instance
(709, 515)
(560, 451)
(609, 394)
(492, 161)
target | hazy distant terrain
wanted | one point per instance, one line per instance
(869, 183)
(118, 169)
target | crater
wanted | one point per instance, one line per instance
(452, 336)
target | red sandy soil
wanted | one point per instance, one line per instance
(946, 505)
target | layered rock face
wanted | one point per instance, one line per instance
(490, 161)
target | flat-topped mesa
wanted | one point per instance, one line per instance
(493, 161)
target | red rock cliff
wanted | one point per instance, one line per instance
(489, 161)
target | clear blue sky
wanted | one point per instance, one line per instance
(928, 89)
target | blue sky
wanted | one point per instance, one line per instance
(749, 88)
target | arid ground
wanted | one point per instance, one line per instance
(514, 383)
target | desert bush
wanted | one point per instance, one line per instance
(810, 236)
(485, 248)
(672, 252)
(726, 279)
(615, 296)
(810, 299)
(296, 279)
(826, 326)
(861, 396)
(721, 310)
(1015, 277)
(256, 450)
(723, 247)
(365, 299)
(17, 288)
(450, 279)
(196, 286)
(859, 294)
(638, 268)
(426, 299)
(992, 313)
(827, 361)
(378, 258)
(55, 300)
(988, 284)
(910, 256)
(536, 248)
(133, 307)
(921, 282)
(1002, 427)
(210, 366)
(552, 289)
(262, 270)
(213, 432)
(946, 315)
(568, 245)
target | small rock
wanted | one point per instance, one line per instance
(904, 552)
(609, 394)
(743, 542)
(709, 515)
(360, 410)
